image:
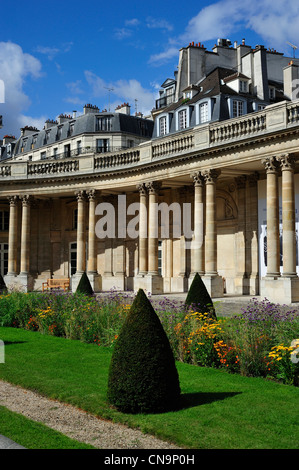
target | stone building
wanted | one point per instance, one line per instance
(219, 157)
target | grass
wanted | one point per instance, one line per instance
(219, 410)
(32, 435)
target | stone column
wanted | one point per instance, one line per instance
(241, 278)
(81, 233)
(287, 164)
(92, 256)
(94, 278)
(273, 251)
(213, 281)
(143, 242)
(12, 237)
(25, 236)
(198, 239)
(210, 177)
(153, 188)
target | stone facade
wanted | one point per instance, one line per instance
(210, 173)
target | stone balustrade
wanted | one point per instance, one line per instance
(274, 118)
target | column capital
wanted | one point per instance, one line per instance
(13, 200)
(287, 162)
(197, 177)
(211, 176)
(142, 189)
(26, 200)
(153, 187)
(91, 195)
(271, 164)
(80, 195)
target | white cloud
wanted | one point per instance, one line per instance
(275, 21)
(15, 68)
(156, 23)
(125, 90)
(132, 22)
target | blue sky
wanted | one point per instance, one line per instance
(59, 55)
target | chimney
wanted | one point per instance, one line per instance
(124, 108)
(291, 81)
(260, 73)
(50, 123)
(89, 109)
(28, 130)
(7, 139)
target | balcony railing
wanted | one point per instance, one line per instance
(273, 120)
(165, 101)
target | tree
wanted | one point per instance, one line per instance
(198, 297)
(84, 286)
(143, 377)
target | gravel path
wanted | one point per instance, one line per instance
(75, 423)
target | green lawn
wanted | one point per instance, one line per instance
(220, 410)
(32, 435)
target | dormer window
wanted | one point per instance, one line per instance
(243, 86)
(204, 112)
(182, 119)
(271, 93)
(162, 126)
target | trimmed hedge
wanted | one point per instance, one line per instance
(198, 297)
(143, 377)
(84, 286)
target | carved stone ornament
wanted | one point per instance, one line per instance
(13, 200)
(26, 200)
(211, 176)
(142, 189)
(91, 195)
(153, 187)
(198, 179)
(287, 162)
(80, 195)
(271, 164)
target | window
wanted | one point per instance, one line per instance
(103, 145)
(104, 123)
(79, 148)
(67, 150)
(204, 113)
(55, 152)
(260, 107)
(243, 86)
(3, 258)
(238, 108)
(182, 119)
(59, 133)
(162, 123)
(73, 259)
(43, 155)
(4, 221)
(271, 93)
(169, 95)
(72, 126)
(160, 258)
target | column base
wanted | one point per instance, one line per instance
(280, 289)
(214, 285)
(151, 284)
(25, 282)
(11, 282)
(110, 282)
(96, 281)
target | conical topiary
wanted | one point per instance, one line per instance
(84, 286)
(198, 297)
(142, 375)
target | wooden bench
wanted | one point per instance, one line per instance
(56, 284)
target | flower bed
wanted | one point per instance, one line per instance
(258, 342)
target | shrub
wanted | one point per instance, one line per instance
(142, 374)
(84, 286)
(3, 287)
(198, 297)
